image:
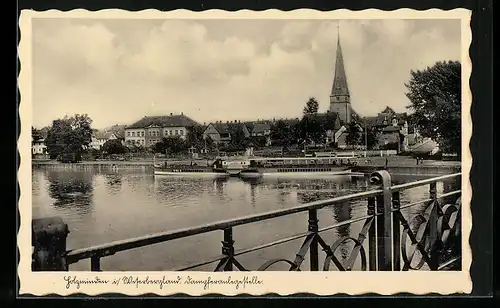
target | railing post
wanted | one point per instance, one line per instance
(49, 244)
(313, 252)
(433, 221)
(384, 220)
(372, 237)
(396, 234)
(228, 248)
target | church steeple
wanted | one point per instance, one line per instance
(340, 101)
(339, 87)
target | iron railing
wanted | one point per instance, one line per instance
(436, 241)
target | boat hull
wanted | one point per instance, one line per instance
(290, 174)
(210, 173)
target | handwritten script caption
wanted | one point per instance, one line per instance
(161, 282)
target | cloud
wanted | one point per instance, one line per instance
(119, 71)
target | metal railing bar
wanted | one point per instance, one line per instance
(146, 240)
(448, 263)
(215, 259)
(456, 192)
(274, 243)
(412, 204)
(451, 193)
(343, 223)
(424, 182)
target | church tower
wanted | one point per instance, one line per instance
(340, 100)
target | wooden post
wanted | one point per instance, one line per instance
(49, 244)
(384, 220)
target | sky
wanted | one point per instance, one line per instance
(118, 71)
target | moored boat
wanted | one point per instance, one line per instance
(296, 167)
(215, 170)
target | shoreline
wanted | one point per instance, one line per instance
(398, 165)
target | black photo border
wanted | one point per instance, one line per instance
(481, 54)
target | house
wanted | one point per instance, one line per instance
(98, 139)
(152, 129)
(391, 127)
(115, 132)
(223, 133)
(260, 129)
(38, 146)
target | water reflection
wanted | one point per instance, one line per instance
(126, 204)
(343, 212)
(71, 190)
(113, 182)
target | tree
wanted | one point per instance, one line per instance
(281, 133)
(69, 135)
(113, 146)
(194, 136)
(435, 96)
(312, 107)
(36, 134)
(353, 134)
(259, 141)
(238, 139)
(171, 145)
(371, 138)
(311, 129)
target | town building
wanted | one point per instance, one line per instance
(98, 140)
(38, 147)
(260, 129)
(222, 132)
(152, 129)
(391, 128)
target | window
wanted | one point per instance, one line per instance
(128, 134)
(170, 133)
(142, 134)
(182, 132)
(176, 132)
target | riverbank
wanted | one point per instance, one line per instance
(400, 165)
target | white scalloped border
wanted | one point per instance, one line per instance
(282, 283)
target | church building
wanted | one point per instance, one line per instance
(340, 99)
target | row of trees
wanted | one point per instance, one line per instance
(312, 128)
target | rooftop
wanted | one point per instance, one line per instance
(178, 120)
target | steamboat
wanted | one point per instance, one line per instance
(215, 170)
(297, 167)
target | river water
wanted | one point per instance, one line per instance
(103, 206)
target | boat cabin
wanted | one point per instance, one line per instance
(302, 161)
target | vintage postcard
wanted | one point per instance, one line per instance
(244, 152)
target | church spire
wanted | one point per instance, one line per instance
(339, 87)
(340, 101)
